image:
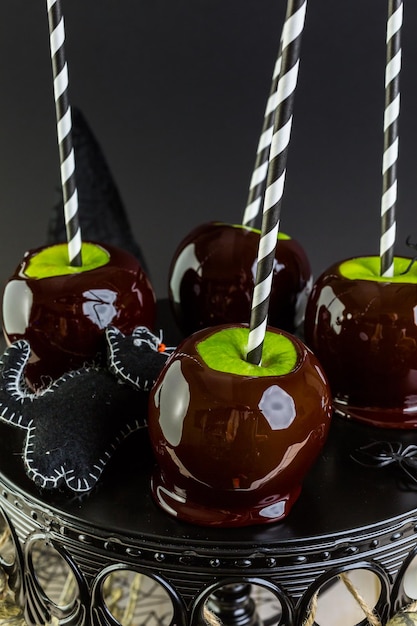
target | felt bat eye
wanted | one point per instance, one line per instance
(142, 336)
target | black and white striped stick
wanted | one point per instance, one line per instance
(391, 141)
(260, 170)
(64, 130)
(292, 31)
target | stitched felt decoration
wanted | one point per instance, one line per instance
(75, 425)
(140, 367)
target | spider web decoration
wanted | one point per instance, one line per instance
(380, 454)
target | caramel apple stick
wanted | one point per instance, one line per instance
(391, 117)
(257, 182)
(64, 130)
(291, 43)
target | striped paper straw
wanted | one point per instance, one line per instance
(390, 156)
(291, 42)
(260, 170)
(64, 130)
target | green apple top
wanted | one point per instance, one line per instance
(281, 235)
(53, 261)
(368, 268)
(225, 351)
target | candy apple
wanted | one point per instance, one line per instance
(363, 329)
(62, 311)
(212, 276)
(233, 441)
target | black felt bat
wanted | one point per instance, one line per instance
(75, 425)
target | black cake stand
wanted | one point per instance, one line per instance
(348, 517)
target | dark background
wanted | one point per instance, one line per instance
(175, 92)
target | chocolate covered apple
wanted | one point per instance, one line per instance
(233, 441)
(63, 311)
(363, 329)
(212, 277)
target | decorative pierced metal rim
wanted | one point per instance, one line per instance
(391, 540)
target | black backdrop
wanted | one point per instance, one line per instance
(175, 92)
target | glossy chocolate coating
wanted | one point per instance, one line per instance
(364, 333)
(233, 450)
(212, 276)
(64, 317)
